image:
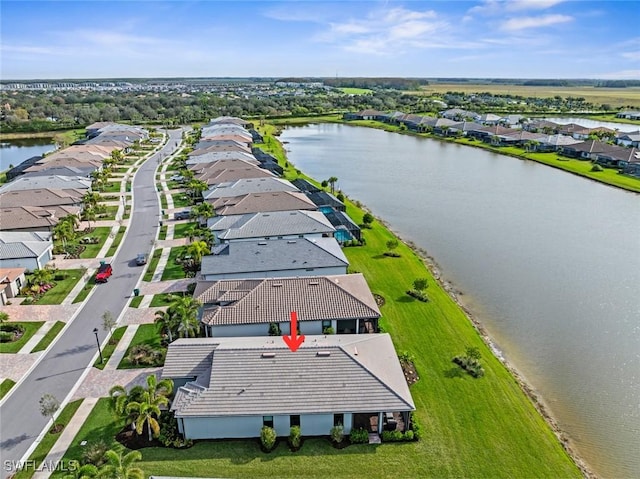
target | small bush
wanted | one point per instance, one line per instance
(597, 168)
(359, 436)
(6, 337)
(419, 295)
(337, 433)
(12, 328)
(328, 330)
(268, 437)
(144, 354)
(392, 436)
(392, 254)
(94, 453)
(409, 435)
(295, 437)
(169, 435)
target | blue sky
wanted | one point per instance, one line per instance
(487, 38)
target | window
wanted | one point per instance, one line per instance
(326, 324)
(338, 419)
(294, 420)
(267, 421)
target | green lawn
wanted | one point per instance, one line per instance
(163, 202)
(173, 270)
(43, 448)
(147, 334)
(111, 187)
(355, 91)
(162, 235)
(181, 230)
(92, 250)
(30, 328)
(116, 241)
(6, 386)
(86, 289)
(163, 299)
(180, 200)
(109, 214)
(62, 287)
(153, 263)
(110, 347)
(49, 337)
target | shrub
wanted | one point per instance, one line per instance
(12, 328)
(144, 354)
(274, 329)
(268, 437)
(169, 435)
(392, 436)
(409, 435)
(597, 168)
(359, 436)
(392, 254)
(337, 433)
(295, 437)
(6, 337)
(419, 295)
(328, 330)
(340, 197)
(94, 453)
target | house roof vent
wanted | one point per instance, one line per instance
(276, 285)
(314, 283)
(269, 354)
(323, 354)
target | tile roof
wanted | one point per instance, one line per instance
(10, 274)
(214, 177)
(221, 164)
(261, 376)
(274, 255)
(263, 202)
(41, 197)
(28, 182)
(270, 224)
(250, 185)
(29, 217)
(221, 155)
(271, 300)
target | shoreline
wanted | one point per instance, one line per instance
(537, 401)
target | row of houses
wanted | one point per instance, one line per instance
(276, 252)
(573, 140)
(44, 189)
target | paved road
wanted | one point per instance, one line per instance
(63, 365)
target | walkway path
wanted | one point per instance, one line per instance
(36, 338)
(121, 348)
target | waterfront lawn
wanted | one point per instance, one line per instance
(6, 386)
(153, 264)
(49, 337)
(146, 334)
(116, 241)
(30, 328)
(92, 250)
(173, 270)
(62, 287)
(42, 449)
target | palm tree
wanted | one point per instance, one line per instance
(332, 181)
(202, 212)
(89, 214)
(197, 250)
(91, 199)
(146, 413)
(121, 467)
(165, 322)
(120, 398)
(157, 388)
(196, 187)
(78, 471)
(41, 276)
(64, 232)
(184, 313)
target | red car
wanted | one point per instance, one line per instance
(104, 271)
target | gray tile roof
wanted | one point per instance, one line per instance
(221, 165)
(251, 185)
(28, 182)
(222, 155)
(263, 202)
(41, 197)
(228, 302)
(274, 255)
(224, 175)
(328, 374)
(270, 224)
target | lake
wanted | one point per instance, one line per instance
(14, 152)
(549, 262)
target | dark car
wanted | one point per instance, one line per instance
(182, 215)
(141, 259)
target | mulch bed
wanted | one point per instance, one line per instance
(129, 439)
(409, 370)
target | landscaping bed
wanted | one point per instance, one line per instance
(147, 334)
(22, 331)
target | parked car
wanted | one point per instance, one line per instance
(179, 178)
(141, 259)
(103, 273)
(182, 215)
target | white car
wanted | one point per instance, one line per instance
(177, 178)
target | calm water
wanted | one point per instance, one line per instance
(549, 262)
(595, 123)
(14, 152)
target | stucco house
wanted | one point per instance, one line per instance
(263, 202)
(29, 250)
(247, 307)
(232, 387)
(274, 259)
(250, 185)
(11, 281)
(271, 225)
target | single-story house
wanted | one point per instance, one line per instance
(555, 142)
(489, 119)
(274, 259)
(232, 387)
(34, 218)
(199, 168)
(55, 182)
(346, 228)
(215, 177)
(631, 138)
(222, 155)
(247, 307)
(11, 282)
(459, 114)
(364, 115)
(543, 126)
(323, 200)
(249, 185)
(221, 120)
(42, 197)
(271, 225)
(29, 250)
(262, 202)
(618, 156)
(588, 150)
(629, 115)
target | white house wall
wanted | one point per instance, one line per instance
(28, 263)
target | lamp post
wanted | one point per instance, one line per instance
(95, 331)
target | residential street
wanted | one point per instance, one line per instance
(65, 362)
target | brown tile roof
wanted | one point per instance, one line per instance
(259, 202)
(214, 177)
(227, 146)
(230, 302)
(41, 197)
(48, 163)
(28, 217)
(220, 165)
(10, 274)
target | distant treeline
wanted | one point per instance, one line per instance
(370, 83)
(618, 83)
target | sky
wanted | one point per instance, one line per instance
(235, 38)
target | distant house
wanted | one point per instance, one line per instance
(245, 186)
(555, 142)
(542, 126)
(459, 114)
(346, 228)
(262, 203)
(272, 225)
(325, 202)
(221, 155)
(587, 150)
(247, 307)
(274, 259)
(29, 250)
(631, 138)
(232, 387)
(34, 218)
(629, 114)
(11, 282)
(55, 182)
(489, 119)
(364, 115)
(44, 197)
(224, 175)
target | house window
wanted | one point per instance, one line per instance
(18, 283)
(267, 421)
(294, 420)
(338, 419)
(326, 324)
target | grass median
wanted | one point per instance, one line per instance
(49, 337)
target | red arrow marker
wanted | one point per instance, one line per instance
(294, 341)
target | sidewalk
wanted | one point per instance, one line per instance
(64, 441)
(122, 347)
(36, 338)
(162, 263)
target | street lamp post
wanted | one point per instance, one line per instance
(95, 331)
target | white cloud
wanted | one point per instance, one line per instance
(521, 23)
(634, 56)
(620, 75)
(498, 7)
